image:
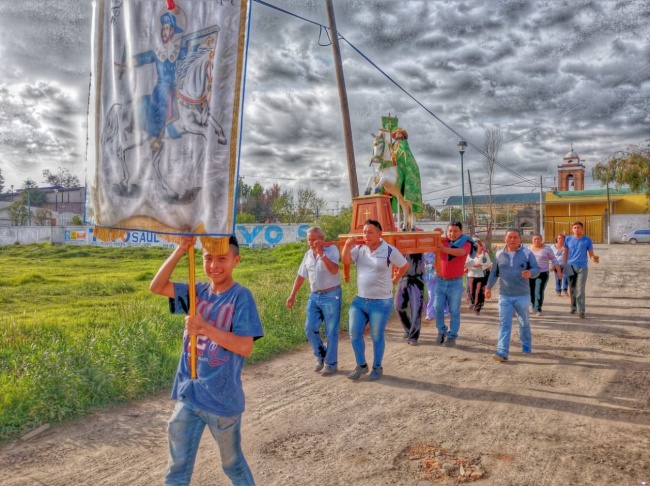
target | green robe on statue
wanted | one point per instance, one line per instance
(408, 176)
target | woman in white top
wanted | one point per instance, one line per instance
(478, 270)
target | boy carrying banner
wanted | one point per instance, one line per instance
(226, 323)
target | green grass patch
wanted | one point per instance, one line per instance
(83, 330)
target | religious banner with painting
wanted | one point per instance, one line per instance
(165, 116)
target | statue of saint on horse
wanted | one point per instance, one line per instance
(399, 176)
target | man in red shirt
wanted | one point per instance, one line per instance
(449, 288)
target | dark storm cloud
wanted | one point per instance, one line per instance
(547, 73)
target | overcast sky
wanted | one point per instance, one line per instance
(547, 73)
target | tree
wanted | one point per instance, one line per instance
(333, 226)
(2, 181)
(308, 205)
(492, 145)
(42, 216)
(76, 220)
(18, 213)
(31, 195)
(429, 212)
(631, 168)
(63, 178)
(284, 207)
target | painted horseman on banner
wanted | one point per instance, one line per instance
(178, 104)
(399, 176)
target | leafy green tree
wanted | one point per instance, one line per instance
(308, 205)
(245, 218)
(76, 220)
(17, 213)
(630, 168)
(63, 178)
(2, 181)
(32, 195)
(284, 207)
(333, 226)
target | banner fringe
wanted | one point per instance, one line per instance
(215, 245)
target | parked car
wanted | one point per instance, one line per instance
(637, 236)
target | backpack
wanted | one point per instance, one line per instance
(460, 242)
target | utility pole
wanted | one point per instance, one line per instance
(343, 98)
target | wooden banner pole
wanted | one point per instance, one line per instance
(192, 292)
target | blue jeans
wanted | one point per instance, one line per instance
(448, 292)
(578, 284)
(537, 286)
(375, 312)
(184, 431)
(561, 285)
(519, 305)
(324, 308)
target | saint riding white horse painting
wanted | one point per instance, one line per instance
(179, 106)
(399, 176)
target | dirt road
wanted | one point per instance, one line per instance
(575, 412)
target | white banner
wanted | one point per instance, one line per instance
(165, 115)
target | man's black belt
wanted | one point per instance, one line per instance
(327, 290)
(453, 278)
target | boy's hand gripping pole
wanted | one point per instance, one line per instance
(192, 292)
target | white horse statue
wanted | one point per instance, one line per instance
(385, 176)
(121, 134)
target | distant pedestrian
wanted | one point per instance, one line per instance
(577, 247)
(545, 258)
(514, 265)
(561, 279)
(409, 298)
(478, 270)
(321, 266)
(430, 279)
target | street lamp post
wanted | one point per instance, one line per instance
(29, 207)
(462, 145)
(12, 193)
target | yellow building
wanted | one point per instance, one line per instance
(589, 207)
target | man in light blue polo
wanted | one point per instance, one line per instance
(514, 265)
(321, 266)
(575, 262)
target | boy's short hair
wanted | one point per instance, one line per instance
(374, 223)
(234, 245)
(579, 223)
(456, 223)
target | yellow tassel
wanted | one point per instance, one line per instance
(215, 246)
(108, 234)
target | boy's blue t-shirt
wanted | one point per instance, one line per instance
(578, 248)
(218, 388)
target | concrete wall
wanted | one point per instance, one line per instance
(624, 223)
(252, 235)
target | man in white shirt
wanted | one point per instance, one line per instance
(321, 266)
(375, 260)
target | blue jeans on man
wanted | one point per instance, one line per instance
(507, 305)
(448, 292)
(185, 429)
(324, 308)
(375, 312)
(577, 285)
